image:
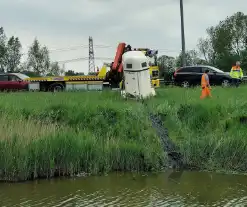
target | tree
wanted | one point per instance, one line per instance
(226, 42)
(70, 73)
(22, 66)
(31, 73)
(166, 63)
(73, 73)
(237, 30)
(2, 49)
(13, 54)
(55, 70)
(166, 66)
(192, 58)
(38, 58)
(205, 48)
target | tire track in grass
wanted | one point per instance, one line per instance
(175, 158)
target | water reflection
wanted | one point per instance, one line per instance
(175, 176)
(172, 188)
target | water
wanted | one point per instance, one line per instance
(164, 189)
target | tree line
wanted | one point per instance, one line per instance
(223, 45)
(38, 62)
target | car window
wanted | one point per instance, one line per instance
(144, 65)
(129, 66)
(13, 78)
(22, 76)
(183, 70)
(216, 69)
(210, 70)
(191, 70)
(3, 78)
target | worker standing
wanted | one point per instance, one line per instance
(236, 74)
(205, 85)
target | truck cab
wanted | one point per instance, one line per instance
(154, 70)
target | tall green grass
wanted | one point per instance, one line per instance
(44, 134)
(211, 133)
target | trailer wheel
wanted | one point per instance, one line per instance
(56, 87)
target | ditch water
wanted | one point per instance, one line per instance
(163, 189)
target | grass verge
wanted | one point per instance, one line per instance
(43, 134)
(211, 133)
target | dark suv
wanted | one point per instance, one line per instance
(191, 76)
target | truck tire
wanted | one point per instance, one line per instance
(56, 87)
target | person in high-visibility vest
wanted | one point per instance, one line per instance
(205, 85)
(236, 74)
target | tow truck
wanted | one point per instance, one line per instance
(112, 78)
(115, 75)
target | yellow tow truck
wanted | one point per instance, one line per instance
(61, 83)
(113, 77)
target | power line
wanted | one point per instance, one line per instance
(74, 48)
(87, 58)
(84, 59)
(78, 47)
(101, 47)
(97, 47)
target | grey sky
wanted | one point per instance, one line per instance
(141, 23)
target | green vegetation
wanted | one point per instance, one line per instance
(45, 134)
(211, 133)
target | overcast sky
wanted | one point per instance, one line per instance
(140, 23)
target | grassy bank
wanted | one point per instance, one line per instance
(211, 134)
(45, 134)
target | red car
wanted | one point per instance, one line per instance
(13, 82)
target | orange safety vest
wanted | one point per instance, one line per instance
(204, 82)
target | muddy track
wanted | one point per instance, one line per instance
(174, 156)
(175, 159)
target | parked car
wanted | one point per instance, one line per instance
(191, 76)
(13, 82)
